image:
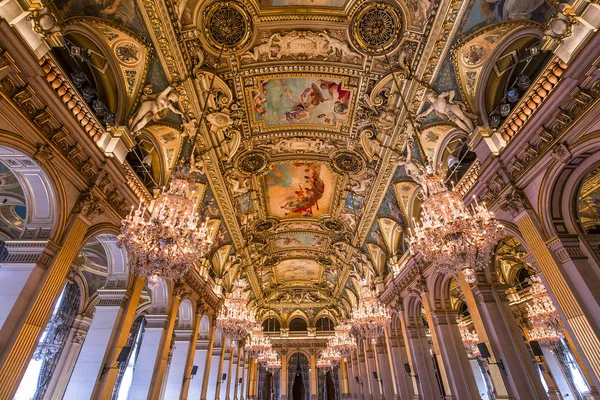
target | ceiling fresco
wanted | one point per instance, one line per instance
(297, 114)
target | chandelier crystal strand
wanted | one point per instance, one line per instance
(258, 342)
(342, 341)
(449, 234)
(543, 316)
(270, 359)
(370, 317)
(234, 319)
(469, 339)
(171, 240)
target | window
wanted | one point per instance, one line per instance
(324, 324)
(298, 325)
(271, 325)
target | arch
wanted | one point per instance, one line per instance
(41, 196)
(185, 314)
(298, 314)
(326, 313)
(271, 324)
(560, 186)
(324, 323)
(298, 324)
(413, 307)
(439, 290)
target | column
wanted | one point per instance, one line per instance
(207, 363)
(367, 376)
(400, 358)
(90, 365)
(560, 275)
(414, 388)
(391, 363)
(66, 364)
(230, 371)
(356, 374)
(557, 372)
(19, 340)
(344, 383)
(243, 386)
(149, 351)
(283, 376)
(378, 371)
(252, 372)
(103, 387)
(551, 384)
(506, 340)
(176, 375)
(158, 375)
(195, 382)
(479, 378)
(239, 366)
(460, 374)
(502, 388)
(423, 363)
(314, 379)
(189, 363)
(220, 370)
(14, 273)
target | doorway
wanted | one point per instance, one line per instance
(298, 377)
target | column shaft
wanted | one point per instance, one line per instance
(229, 372)
(237, 383)
(120, 333)
(220, 369)
(209, 351)
(344, 383)
(18, 349)
(189, 362)
(584, 331)
(390, 359)
(314, 381)
(507, 342)
(460, 374)
(175, 375)
(378, 371)
(158, 375)
(284, 376)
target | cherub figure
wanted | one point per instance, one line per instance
(155, 109)
(444, 105)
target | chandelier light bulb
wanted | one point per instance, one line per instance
(543, 316)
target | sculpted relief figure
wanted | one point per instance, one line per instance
(301, 43)
(444, 106)
(154, 109)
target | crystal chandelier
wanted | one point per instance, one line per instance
(449, 234)
(171, 240)
(270, 359)
(543, 316)
(370, 317)
(469, 339)
(234, 319)
(342, 341)
(323, 363)
(257, 342)
(331, 355)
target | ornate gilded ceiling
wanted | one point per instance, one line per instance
(303, 137)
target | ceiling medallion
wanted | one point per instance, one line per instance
(269, 262)
(264, 226)
(376, 28)
(332, 225)
(347, 162)
(253, 162)
(227, 25)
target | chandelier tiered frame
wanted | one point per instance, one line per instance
(168, 243)
(371, 317)
(342, 341)
(257, 342)
(234, 319)
(543, 316)
(452, 236)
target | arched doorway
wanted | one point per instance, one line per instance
(298, 377)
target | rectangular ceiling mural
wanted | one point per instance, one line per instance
(290, 270)
(299, 101)
(299, 189)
